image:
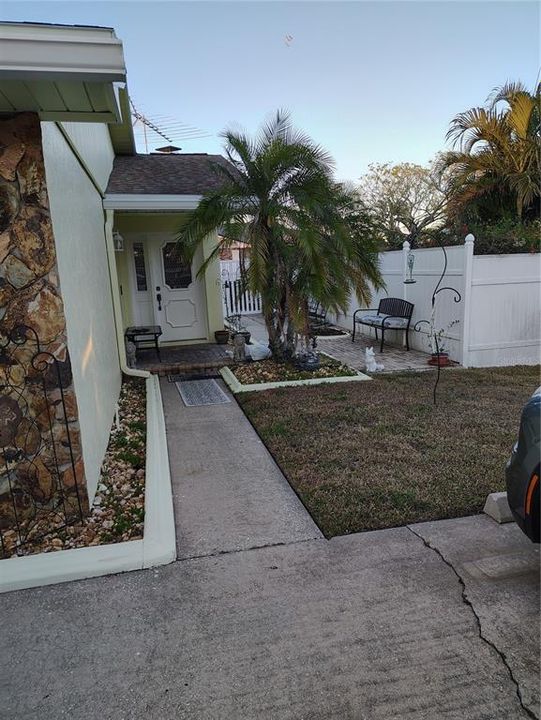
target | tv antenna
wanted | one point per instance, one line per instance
(163, 127)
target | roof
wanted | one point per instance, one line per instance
(183, 174)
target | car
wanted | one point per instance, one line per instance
(522, 470)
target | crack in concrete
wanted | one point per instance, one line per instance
(219, 553)
(469, 603)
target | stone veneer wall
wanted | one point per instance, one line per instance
(30, 294)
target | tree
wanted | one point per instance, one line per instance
(496, 170)
(405, 201)
(278, 197)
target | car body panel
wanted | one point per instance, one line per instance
(523, 465)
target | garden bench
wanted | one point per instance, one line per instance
(391, 314)
(317, 314)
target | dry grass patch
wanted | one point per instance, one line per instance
(365, 456)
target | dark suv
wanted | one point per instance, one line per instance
(522, 471)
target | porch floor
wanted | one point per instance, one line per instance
(187, 358)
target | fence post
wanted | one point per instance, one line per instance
(467, 294)
(405, 250)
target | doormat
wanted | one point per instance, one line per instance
(201, 392)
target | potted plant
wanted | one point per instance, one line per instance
(221, 336)
(438, 343)
(236, 327)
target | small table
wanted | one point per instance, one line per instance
(141, 336)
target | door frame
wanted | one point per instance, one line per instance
(147, 238)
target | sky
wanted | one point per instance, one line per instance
(369, 81)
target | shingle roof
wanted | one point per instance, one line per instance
(172, 174)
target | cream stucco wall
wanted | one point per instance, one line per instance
(78, 226)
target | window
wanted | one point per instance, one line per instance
(140, 271)
(177, 272)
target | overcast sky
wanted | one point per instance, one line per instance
(370, 81)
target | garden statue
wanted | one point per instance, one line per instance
(130, 353)
(370, 361)
(239, 348)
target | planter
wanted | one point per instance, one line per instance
(441, 359)
(221, 337)
(247, 335)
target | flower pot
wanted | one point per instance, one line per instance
(441, 359)
(221, 337)
(247, 335)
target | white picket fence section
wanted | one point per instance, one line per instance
(499, 315)
(235, 298)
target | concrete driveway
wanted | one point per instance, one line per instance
(371, 626)
(263, 619)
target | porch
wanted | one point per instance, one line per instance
(207, 358)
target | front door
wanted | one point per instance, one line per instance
(178, 295)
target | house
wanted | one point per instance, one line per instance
(87, 248)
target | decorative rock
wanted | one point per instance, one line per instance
(497, 507)
(31, 176)
(32, 235)
(45, 313)
(16, 272)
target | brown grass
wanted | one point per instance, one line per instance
(364, 456)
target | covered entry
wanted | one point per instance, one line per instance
(147, 200)
(158, 286)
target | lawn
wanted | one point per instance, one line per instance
(372, 455)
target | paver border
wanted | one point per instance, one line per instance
(158, 546)
(237, 387)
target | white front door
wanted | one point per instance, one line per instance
(178, 295)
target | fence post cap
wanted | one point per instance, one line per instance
(406, 245)
(469, 239)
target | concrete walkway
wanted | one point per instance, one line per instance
(228, 492)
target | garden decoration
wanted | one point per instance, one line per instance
(370, 361)
(308, 360)
(410, 259)
(239, 348)
(435, 337)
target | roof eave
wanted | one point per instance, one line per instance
(62, 73)
(133, 201)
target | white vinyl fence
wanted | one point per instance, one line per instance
(498, 319)
(236, 299)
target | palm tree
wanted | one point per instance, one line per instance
(498, 160)
(302, 229)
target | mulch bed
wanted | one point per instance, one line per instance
(329, 331)
(118, 510)
(263, 371)
(365, 456)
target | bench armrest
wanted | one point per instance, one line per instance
(362, 310)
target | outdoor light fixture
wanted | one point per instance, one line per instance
(118, 242)
(410, 259)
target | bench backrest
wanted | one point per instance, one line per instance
(396, 307)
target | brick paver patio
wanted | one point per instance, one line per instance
(209, 356)
(393, 358)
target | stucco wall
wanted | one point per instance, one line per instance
(78, 226)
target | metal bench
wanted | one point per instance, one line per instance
(391, 314)
(317, 314)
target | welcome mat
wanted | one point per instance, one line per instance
(201, 392)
